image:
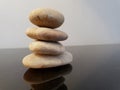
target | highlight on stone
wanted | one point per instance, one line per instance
(46, 49)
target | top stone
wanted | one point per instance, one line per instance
(46, 18)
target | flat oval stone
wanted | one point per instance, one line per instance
(46, 17)
(46, 61)
(46, 34)
(49, 48)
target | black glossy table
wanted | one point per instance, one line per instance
(94, 67)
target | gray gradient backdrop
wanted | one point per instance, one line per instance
(86, 21)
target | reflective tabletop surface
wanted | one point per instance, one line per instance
(94, 67)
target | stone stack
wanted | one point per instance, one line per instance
(46, 49)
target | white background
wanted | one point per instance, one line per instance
(86, 21)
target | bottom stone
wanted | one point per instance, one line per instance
(46, 61)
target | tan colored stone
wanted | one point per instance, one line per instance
(49, 48)
(46, 17)
(46, 34)
(46, 61)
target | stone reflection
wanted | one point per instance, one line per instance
(47, 79)
(50, 85)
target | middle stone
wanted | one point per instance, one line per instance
(46, 34)
(45, 47)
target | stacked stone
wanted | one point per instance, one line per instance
(47, 50)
